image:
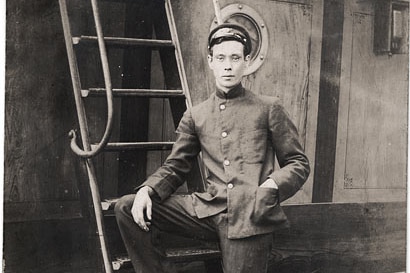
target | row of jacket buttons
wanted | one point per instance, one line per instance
(225, 134)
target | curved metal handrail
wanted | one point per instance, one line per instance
(88, 151)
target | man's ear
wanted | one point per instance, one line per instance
(247, 60)
(210, 59)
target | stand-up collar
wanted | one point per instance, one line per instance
(233, 93)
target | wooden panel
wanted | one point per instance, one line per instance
(339, 238)
(371, 153)
(50, 247)
(39, 164)
(288, 71)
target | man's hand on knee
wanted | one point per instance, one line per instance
(142, 204)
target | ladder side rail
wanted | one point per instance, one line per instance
(178, 54)
(99, 216)
(84, 132)
(75, 76)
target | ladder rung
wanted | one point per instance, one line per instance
(121, 41)
(108, 204)
(192, 253)
(148, 146)
(153, 93)
(121, 262)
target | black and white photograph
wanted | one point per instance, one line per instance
(205, 136)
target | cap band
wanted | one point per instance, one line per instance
(230, 32)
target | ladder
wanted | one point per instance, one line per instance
(90, 150)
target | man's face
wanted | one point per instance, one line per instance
(228, 64)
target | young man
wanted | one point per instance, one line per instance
(238, 133)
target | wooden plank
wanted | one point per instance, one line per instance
(333, 18)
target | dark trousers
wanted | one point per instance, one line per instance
(176, 215)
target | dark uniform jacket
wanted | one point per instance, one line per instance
(238, 133)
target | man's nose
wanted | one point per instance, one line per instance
(228, 65)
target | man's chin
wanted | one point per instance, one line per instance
(229, 84)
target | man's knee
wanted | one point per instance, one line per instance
(124, 205)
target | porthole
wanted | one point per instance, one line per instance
(248, 18)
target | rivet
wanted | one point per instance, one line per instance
(261, 57)
(240, 6)
(262, 25)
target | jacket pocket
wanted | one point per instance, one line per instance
(267, 210)
(253, 146)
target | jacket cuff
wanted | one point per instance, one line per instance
(163, 189)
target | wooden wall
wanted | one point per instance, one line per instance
(371, 154)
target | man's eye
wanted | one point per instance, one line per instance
(235, 58)
(220, 58)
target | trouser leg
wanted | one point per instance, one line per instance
(174, 215)
(246, 255)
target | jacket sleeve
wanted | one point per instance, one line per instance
(172, 174)
(294, 165)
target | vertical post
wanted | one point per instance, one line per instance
(328, 110)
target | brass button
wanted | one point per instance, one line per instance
(224, 134)
(230, 186)
(227, 163)
(222, 106)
